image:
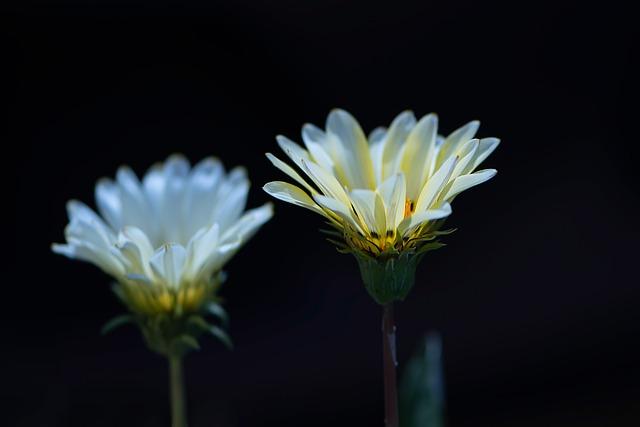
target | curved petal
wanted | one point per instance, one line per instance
(357, 165)
(291, 194)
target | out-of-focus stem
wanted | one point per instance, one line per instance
(176, 387)
(390, 363)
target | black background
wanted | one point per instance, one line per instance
(536, 295)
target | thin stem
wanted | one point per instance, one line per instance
(176, 386)
(390, 363)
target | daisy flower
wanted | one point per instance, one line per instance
(386, 195)
(165, 239)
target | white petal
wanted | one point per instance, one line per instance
(467, 155)
(86, 251)
(326, 182)
(363, 202)
(340, 210)
(467, 181)
(395, 140)
(458, 137)
(200, 195)
(290, 172)
(140, 239)
(316, 143)
(420, 218)
(370, 208)
(135, 208)
(420, 144)
(248, 224)
(357, 165)
(89, 231)
(434, 185)
(291, 194)
(153, 185)
(293, 150)
(107, 197)
(487, 145)
(231, 200)
(176, 166)
(78, 211)
(393, 194)
(201, 247)
(376, 151)
(173, 215)
(233, 238)
(312, 133)
(377, 135)
(167, 263)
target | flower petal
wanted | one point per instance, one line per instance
(393, 193)
(290, 172)
(420, 144)
(487, 145)
(291, 194)
(420, 218)
(326, 182)
(107, 195)
(357, 165)
(435, 184)
(395, 140)
(455, 139)
(168, 262)
(465, 182)
(341, 211)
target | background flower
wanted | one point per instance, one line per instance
(166, 238)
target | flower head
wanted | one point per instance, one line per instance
(166, 238)
(386, 195)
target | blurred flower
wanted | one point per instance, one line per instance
(386, 195)
(165, 239)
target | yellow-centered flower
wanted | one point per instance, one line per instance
(165, 239)
(386, 194)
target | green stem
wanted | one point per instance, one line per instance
(391, 418)
(176, 386)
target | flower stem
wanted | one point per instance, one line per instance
(390, 363)
(176, 386)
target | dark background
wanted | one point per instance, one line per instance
(536, 296)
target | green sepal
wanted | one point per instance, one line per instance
(222, 335)
(216, 331)
(183, 344)
(175, 332)
(218, 312)
(116, 322)
(430, 247)
(388, 279)
(198, 322)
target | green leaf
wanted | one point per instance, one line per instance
(219, 312)
(116, 322)
(222, 335)
(422, 386)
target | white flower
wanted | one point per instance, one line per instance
(386, 192)
(164, 238)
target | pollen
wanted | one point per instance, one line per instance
(409, 207)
